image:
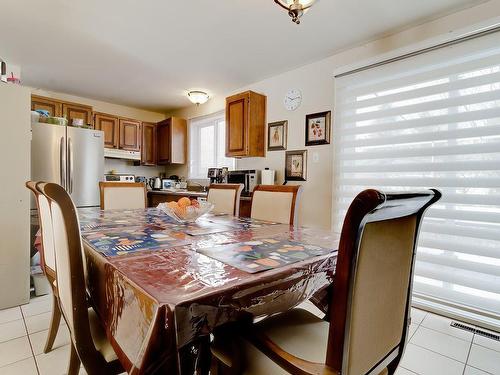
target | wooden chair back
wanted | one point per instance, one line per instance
(70, 275)
(225, 197)
(370, 308)
(276, 203)
(123, 195)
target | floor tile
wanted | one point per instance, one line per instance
(12, 330)
(442, 324)
(403, 371)
(417, 315)
(487, 342)
(484, 359)
(8, 315)
(14, 350)
(54, 362)
(426, 362)
(40, 322)
(411, 330)
(441, 343)
(25, 367)
(35, 308)
(38, 339)
(45, 297)
(474, 371)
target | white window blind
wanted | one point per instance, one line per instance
(433, 120)
(207, 137)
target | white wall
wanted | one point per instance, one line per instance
(317, 85)
(120, 166)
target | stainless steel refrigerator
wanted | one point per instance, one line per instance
(69, 156)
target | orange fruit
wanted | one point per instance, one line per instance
(184, 202)
(180, 211)
(172, 205)
(195, 203)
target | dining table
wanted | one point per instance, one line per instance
(162, 288)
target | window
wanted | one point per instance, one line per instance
(433, 120)
(208, 145)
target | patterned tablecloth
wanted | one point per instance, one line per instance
(161, 287)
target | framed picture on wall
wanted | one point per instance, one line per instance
(296, 165)
(276, 135)
(318, 126)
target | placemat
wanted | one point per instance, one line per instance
(263, 254)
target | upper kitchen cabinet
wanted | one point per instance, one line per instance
(72, 111)
(171, 141)
(245, 124)
(54, 107)
(110, 126)
(130, 135)
(148, 149)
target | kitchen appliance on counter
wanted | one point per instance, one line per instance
(249, 178)
(142, 179)
(119, 178)
(155, 183)
(218, 175)
(71, 157)
(168, 184)
(115, 153)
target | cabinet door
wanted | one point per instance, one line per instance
(237, 125)
(130, 135)
(163, 141)
(148, 152)
(54, 107)
(109, 125)
(75, 111)
(178, 144)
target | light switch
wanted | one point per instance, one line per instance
(315, 157)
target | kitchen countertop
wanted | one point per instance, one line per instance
(191, 193)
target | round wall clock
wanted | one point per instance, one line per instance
(293, 99)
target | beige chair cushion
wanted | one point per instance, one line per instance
(272, 206)
(101, 342)
(124, 198)
(223, 200)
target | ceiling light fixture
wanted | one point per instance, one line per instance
(295, 8)
(198, 97)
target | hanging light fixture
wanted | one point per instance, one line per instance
(295, 8)
(198, 97)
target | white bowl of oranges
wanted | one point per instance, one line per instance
(186, 210)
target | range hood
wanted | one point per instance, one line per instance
(122, 154)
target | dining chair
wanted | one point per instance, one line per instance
(123, 195)
(89, 344)
(47, 260)
(366, 327)
(276, 203)
(225, 198)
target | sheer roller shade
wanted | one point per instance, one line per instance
(433, 120)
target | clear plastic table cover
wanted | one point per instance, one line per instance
(157, 305)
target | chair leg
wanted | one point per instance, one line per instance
(74, 362)
(54, 325)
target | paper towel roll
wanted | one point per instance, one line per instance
(268, 177)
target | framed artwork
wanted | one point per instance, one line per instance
(276, 135)
(318, 128)
(296, 165)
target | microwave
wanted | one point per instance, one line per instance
(250, 178)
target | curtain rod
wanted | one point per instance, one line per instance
(464, 38)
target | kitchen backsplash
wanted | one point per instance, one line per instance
(127, 166)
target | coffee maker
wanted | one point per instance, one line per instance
(218, 175)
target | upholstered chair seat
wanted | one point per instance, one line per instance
(225, 198)
(121, 195)
(275, 203)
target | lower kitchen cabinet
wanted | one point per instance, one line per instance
(245, 206)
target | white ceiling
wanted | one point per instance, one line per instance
(148, 53)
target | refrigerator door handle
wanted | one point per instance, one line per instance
(62, 163)
(70, 165)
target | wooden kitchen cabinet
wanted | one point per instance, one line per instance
(245, 124)
(54, 107)
(130, 135)
(77, 111)
(110, 126)
(148, 149)
(171, 141)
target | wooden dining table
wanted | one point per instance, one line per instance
(161, 288)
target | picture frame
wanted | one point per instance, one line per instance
(277, 133)
(318, 128)
(296, 165)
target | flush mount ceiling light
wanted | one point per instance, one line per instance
(198, 97)
(295, 8)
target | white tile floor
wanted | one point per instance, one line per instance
(434, 348)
